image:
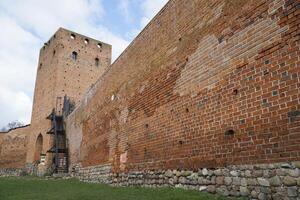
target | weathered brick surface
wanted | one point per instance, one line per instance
(206, 97)
(206, 84)
(58, 74)
(208, 88)
(13, 148)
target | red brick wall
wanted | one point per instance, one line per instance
(59, 75)
(197, 71)
(13, 148)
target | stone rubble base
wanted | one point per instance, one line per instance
(279, 181)
(11, 172)
(263, 182)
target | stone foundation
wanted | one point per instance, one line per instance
(279, 181)
(31, 169)
(266, 181)
(95, 174)
(11, 172)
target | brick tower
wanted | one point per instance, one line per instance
(69, 64)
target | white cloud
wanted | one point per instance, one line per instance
(25, 26)
(18, 59)
(14, 106)
(123, 7)
(45, 17)
(150, 8)
(18, 56)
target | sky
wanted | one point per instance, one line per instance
(27, 25)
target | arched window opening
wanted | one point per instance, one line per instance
(97, 62)
(86, 41)
(99, 45)
(38, 149)
(72, 36)
(74, 55)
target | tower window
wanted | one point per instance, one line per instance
(74, 55)
(86, 41)
(99, 45)
(97, 62)
(72, 36)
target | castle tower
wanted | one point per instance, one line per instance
(69, 64)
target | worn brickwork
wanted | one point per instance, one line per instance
(208, 88)
(60, 72)
(67, 66)
(74, 137)
(13, 148)
(206, 84)
(206, 97)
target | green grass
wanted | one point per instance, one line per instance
(30, 188)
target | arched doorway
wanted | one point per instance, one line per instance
(38, 148)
